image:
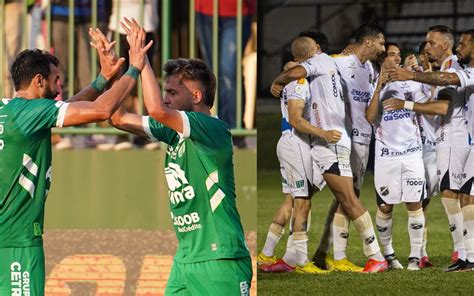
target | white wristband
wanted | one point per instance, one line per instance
(409, 105)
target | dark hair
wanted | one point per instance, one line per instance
(197, 70)
(471, 33)
(444, 30)
(367, 30)
(319, 37)
(388, 44)
(29, 63)
(422, 46)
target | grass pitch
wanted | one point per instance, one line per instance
(401, 282)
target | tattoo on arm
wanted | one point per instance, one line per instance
(437, 78)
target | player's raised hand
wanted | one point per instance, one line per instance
(411, 63)
(332, 136)
(136, 39)
(109, 62)
(393, 104)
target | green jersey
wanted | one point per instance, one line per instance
(199, 171)
(25, 167)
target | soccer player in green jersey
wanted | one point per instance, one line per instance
(25, 151)
(212, 256)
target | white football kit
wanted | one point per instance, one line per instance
(466, 78)
(328, 113)
(358, 84)
(452, 136)
(293, 148)
(399, 174)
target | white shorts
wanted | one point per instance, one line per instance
(431, 175)
(468, 180)
(296, 166)
(333, 159)
(399, 180)
(450, 162)
(359, 159)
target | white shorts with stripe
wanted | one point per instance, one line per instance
(333, 159)
(450, 162)
(399, 180)
(296, 166)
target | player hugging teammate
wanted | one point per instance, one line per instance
(423, 120)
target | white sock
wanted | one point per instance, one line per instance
(340, 229)
(416, 223)
(384, 224)
(365, 228)
(274, 235)
(455, 218)
(290, 253)
(468, 213)
(300, 243)
(424, 253)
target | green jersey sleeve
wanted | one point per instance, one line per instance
(156, 131)
(204, 129)
(38, 114)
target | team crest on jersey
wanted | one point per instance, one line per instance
(352, 65)
(178, 150)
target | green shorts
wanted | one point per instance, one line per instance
(22, 271)
(215, 277)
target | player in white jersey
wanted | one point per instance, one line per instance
(293, 152)
(399, 174)
(452, 136)
(333, 159)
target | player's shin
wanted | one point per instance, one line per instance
(341, 235)
(300, 243)
(275, 232)
(365, 228)
(455, 218)
(416, 222)
(468, 213)
(384, 227)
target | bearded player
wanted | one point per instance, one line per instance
(25, 151)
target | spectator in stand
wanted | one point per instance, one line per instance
(227, 50)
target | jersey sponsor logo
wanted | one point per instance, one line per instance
(20, 280)
(334, 85)
(179, 189)
(396, 115)
(186, 223)
(360, 96)
(2, 141)
(387, 152)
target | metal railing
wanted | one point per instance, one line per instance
(165, 43)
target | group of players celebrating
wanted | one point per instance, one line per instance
(422, 116)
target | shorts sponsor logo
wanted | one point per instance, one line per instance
(370, 240)
(458, 175)
(186, 223)
(382, 228)
(384, 191)
(344, 234)
(355, 132)
(452, 227)
(416, 226)
(387, 152)
(299, 184)
(244, 288)
(20, 280)
(414, 182)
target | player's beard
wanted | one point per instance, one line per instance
(466, 60)
(50, 94)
